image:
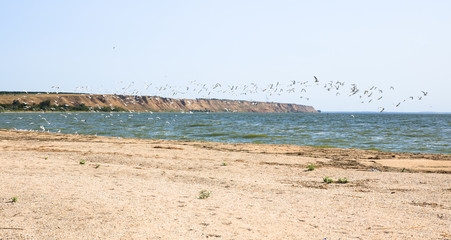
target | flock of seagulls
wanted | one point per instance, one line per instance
(368, 95)
(130, 95)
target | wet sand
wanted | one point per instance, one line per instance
(149, 189)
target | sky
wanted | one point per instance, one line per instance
(184, 49)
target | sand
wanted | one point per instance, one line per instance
(149, 189)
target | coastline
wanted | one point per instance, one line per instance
(94, 102)
(141, 188)
(365, 131)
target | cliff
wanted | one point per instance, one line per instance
(153, 103)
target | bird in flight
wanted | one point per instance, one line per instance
(316, 79)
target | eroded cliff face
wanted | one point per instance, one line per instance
(155, 104)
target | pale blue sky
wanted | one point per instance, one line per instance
(122, 46)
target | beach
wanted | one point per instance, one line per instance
(61, 186)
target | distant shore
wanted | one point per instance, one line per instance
(113, 102)
(61, 186)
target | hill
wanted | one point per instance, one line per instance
(94, 102)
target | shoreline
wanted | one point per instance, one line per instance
(270, 144)
(142, 188)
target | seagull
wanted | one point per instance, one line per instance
(316, 79)
(425, 93)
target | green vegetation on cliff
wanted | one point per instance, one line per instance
(16, 105)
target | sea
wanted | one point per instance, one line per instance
(394, 132)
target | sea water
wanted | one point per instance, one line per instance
(428, 133)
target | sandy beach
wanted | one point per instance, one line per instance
(150, 189)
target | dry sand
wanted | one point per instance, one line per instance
(148, 189)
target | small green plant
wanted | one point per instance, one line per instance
(342, 180)
(97, 166)
(224, 164)
(204, 194)
(46, 158)
(14, 199)
(82, 162)
(328, 180)
(311, 167)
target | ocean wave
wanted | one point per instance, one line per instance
(199, 125)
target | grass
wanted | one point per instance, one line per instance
(311, 167)
(224, 164)
(328, 180)
(97, 166)
(14, 199)
(342, 180)
(82, 162)
(204, 194)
